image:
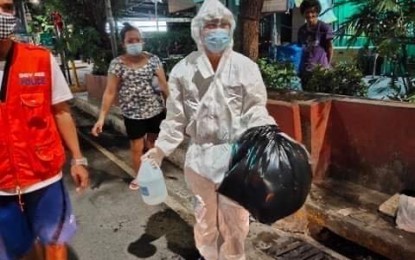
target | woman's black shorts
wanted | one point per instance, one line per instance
(138, 128)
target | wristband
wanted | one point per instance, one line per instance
(80, 161)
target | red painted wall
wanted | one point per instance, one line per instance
(372, 143)
(287, 116)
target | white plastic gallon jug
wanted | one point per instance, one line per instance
(151, 181)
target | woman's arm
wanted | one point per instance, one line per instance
(162, 82)
(107, 100)
(109, 94)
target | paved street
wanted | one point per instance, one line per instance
(115, 224)
(113, 221)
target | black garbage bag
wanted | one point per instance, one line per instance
(269, 174)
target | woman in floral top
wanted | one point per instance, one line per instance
(131, 76)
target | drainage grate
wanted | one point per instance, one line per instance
(283, 247)
(298, 250)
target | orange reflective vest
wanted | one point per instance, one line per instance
(30, 146)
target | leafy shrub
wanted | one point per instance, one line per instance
(84, 43)
(170, 46)
(164, 44)
(169, 64)
(101, 62)
(277, 75)
(411, 98)
(342, 79)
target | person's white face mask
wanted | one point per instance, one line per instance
(217, 40)
(134, 49)
(7, 25)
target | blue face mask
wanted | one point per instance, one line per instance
(217, 40)
(134, 49)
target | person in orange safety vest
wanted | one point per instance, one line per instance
(35, 210)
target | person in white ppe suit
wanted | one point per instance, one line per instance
(215, 95)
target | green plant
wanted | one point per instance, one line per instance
(411, 98)
(87, 36)
(101, 61)
(82, 43)
(342, 79)
(170, 63)
(40, 24)
(163, 43)
(387, 24)
(277, 75)
(170, 46)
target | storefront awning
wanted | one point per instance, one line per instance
(179, 5)
(269, 5)
(272, 6)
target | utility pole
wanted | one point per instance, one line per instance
(156, 12)
(21, 11)
(111, 23)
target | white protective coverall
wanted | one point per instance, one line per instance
(214, 109)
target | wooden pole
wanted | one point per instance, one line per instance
(111, 23)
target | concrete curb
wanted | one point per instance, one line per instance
(92, 107)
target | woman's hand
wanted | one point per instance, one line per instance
(97, 128)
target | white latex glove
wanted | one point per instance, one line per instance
(155, 155)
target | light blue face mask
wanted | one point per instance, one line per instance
(134, 49)
(217, 40)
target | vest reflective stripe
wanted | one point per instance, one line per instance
(30, 146)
